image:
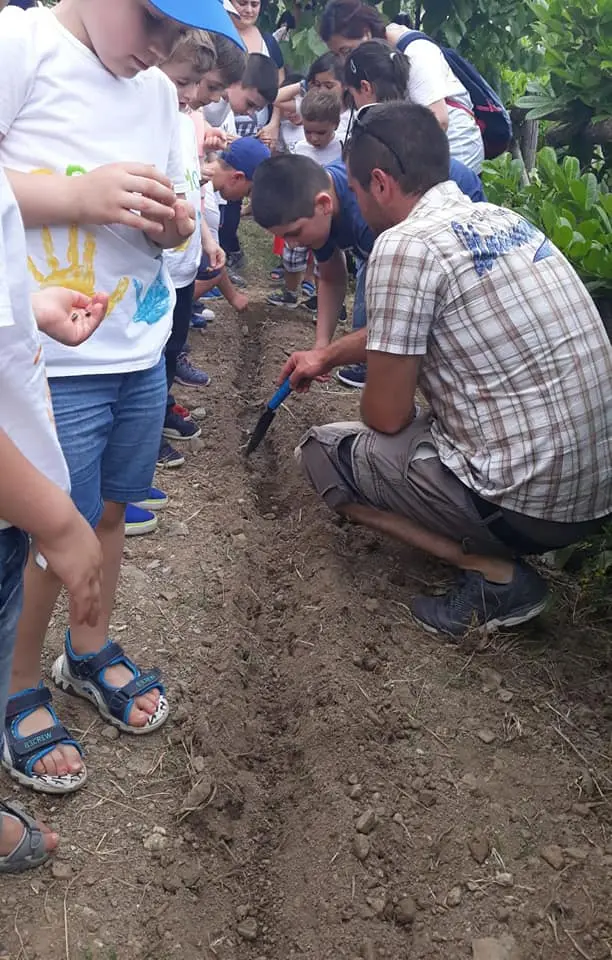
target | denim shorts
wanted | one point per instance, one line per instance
(13, 555)
(109, 427)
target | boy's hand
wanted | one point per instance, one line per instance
(68, 316)
(132, 194)
(239, 302)
(178, 229)
(269, 135)
(184, 218)
(75, 557)
(215, 254)
(216, 139)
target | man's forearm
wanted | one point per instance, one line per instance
(46, 199)
(28, 499)
(347, 350)
(330, 297)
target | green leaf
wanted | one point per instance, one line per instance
(571, 168)
(562, 235)
(549, 217)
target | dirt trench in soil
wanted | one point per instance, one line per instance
(304, 699)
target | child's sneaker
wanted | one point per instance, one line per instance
(176, 428)
(182, 411)
(235, 260)
(308, 288)
(283, 298)
(201, 317)
(168, 457)
(188, 375)
(214, 294)
(353, 376)
(310, 304)
(138, 521)
(156, 500)
(238, 281)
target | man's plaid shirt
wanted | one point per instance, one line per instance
(516, 363)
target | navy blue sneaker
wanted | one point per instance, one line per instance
(177, 428)
(353, 376)
(189, 375)
(168, 458)
(477, 604)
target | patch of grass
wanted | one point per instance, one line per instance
(257, 246)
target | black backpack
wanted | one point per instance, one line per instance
(489, 112)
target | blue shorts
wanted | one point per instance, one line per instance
(13, 555)
(204, 271)
(109, 427)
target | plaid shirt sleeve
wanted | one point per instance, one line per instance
(405, 285)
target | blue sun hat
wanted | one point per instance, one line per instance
(210, 15)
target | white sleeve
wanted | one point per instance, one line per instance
(175, 169)
(430, 78)
(20, 61)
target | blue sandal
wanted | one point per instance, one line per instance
(20, 753)
(84, 677)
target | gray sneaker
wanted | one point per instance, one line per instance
(475, 603)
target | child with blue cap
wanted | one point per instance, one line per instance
(93, 166)
(229, 178)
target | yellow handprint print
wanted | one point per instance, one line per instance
(78, 274)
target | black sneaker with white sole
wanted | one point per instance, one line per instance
(477, 604)
(283, 298)
(310, 304)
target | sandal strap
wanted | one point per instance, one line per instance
(27, 701)
(23, 748)
(118, 700)
(89, 667)
(14, 810)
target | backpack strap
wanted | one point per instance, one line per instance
(274, 50)
(407, 38)
(451, 102)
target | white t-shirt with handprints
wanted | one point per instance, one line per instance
(62, 112)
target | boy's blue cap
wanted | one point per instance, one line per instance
(245, 155)
(203, 14)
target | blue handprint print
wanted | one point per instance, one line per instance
(155, 303)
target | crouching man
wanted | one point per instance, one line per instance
(472, 304)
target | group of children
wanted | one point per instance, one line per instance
(104, 185)
(118, 190)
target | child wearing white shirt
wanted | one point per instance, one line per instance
(320, 111)
(90, 137)
(34, 481)
(191, 59)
